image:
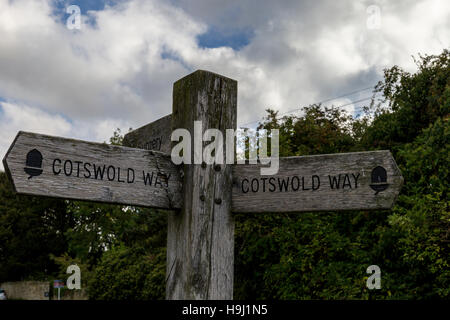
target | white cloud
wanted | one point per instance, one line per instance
(18, 117)
(14, 117)
(31, 119)
(120, 72)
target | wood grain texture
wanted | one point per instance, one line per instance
(317, 183)
(291, 190)
(74, 169)
(200, 242)
(153, 136)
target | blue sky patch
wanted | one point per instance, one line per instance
(165, 54)
(59, 8)
(85, 5)
(215, 38)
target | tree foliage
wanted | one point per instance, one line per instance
(325, 255)
(121, 250)
(129, 273)
(30, 228)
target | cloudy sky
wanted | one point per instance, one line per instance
(118, 68)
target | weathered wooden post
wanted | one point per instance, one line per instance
(153, 136)
(200, 240)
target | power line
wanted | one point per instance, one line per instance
(356, 101)
(344, 105)
(323, 101)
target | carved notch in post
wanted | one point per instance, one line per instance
(200, 240)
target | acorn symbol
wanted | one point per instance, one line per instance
(379, 179)
(33, 165)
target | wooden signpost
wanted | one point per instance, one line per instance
(65, 168)
(200, 240)
(330, 182)
(81, 170)
(152, 136)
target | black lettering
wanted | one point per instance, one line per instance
(86, 169)
(314, 185)
(346, 182)
(160, 143)
(54, 162)
(65, 168)
(113, 171)
(272, 184)
(356, 180)
(264, 184)
(335, 183)
(147, 178)
(292, 183)
(157, 180)
(166, 178)
(118, 175)
(78, 167)
(242, 186)
(257, 185)
(129, 180)
(283, 183)
(98, 172)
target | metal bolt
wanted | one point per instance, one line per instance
(218, 201)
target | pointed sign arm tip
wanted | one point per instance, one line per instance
(5, 161)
